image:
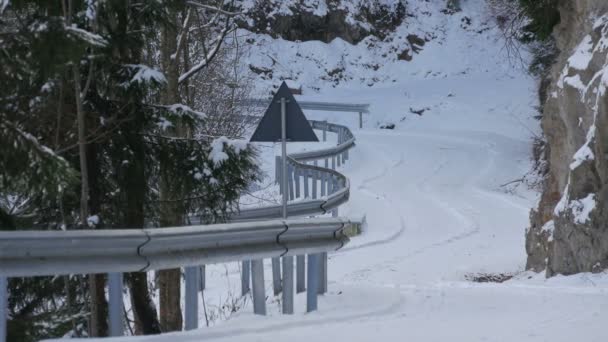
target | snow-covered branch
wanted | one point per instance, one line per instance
(182, 35)
(214, 9)
(208, 57)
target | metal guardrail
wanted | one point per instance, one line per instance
(312, 189)
(39, 253)
(316, 190)
(322, 106)
(44, 253)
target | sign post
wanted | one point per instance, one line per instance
(284, 152)
(284, 121)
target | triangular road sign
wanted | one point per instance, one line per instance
(298, 128)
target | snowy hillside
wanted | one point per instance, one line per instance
(376, 61)
(446, 193)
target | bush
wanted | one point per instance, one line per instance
(544, 15)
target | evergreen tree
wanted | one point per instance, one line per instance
(84, 95)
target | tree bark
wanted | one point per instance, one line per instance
(95, 319)
(171, 213)
(97, 282)
(146, 321)
(135, 187)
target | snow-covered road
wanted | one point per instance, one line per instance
(436, 214)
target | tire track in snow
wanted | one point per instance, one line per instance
(363, 188)
(389, 310)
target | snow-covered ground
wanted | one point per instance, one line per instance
(437, 208)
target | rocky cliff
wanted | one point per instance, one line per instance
(569, 229)
(323, 20)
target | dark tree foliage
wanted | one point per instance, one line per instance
(113, 44)
(544, 15)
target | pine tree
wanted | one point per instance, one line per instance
(97, 62)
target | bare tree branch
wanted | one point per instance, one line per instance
(208, 57)
(182, 35)
(214, 9)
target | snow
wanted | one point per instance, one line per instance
(575, 82)
(93, 221)
(582, 208)
(91, 11)
(89, 37)
(431, 192)
(582, 56)
(164, 124)
(318, 7)
(3, 5)
(218, 155)
(563, 201)
(549, 227)
(583, 154)
(145, 74)
(179, 108)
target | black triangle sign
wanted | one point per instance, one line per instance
(298, 127)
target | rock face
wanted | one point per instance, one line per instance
(324, 20)
(569, 229)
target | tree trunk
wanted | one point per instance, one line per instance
(95, 319)
(171, 212)
(97, 282)
(146, 319)
(169, 282)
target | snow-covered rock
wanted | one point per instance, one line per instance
(575, 120)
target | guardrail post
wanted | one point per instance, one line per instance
(360, 119)
(323, 182)
(290, 181)
(288, 285)
(259, 293)
(191, 294)
(326, 163)
(245, 276)
(202, 278)
(306, 184)
(333, 162)
(300, 273)
(296, 179)
(3, 308)
(314, 184)
(322, 273)
(312, 282)
(115, 304)
(278, 175)
(276, 275)
(339, 157)
(325, 131)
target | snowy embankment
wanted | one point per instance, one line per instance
(438, 211)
